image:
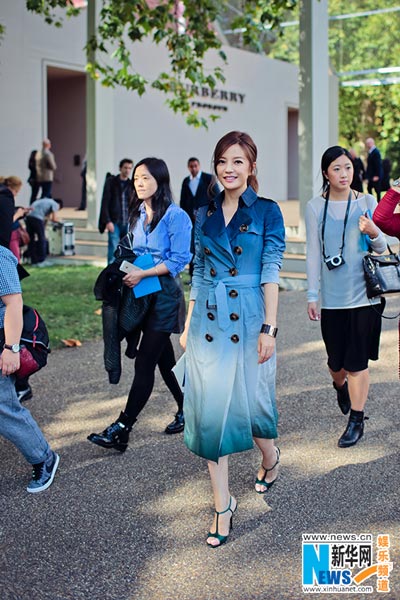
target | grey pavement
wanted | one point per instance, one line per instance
(133, 526)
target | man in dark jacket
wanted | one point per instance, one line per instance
(359, 171)
(114, 206)
(374, 168)
(197, 190)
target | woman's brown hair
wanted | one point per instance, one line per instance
(249, 148)
(13, 182)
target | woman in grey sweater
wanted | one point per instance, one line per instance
(339, 230)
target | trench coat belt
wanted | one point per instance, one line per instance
(217, 295)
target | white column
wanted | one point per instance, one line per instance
(99, 132)
(314, 98)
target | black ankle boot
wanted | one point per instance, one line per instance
(177, 425)
(115, 436)
(343, 397)
(354, 430)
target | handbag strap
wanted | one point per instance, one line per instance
(381, 312)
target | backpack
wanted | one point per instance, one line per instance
(34, 343)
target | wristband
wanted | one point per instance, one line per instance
(269, 330)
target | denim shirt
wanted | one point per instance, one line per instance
(169, 242)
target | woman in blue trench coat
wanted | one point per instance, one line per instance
(231, 327)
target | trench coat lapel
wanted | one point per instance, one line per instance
(214, 225)
(214, 228)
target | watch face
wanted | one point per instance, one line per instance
(396, 182)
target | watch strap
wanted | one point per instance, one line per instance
(269, 330)
(13, 347)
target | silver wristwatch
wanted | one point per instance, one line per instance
(396, 182)
(14, 348)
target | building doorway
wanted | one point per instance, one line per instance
(66, 128)
(293, 155)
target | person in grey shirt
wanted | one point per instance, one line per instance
(35, 225)
(339, 230)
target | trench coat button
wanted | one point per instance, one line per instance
(234, 317)
(233, 271)
(243, 228)
(209, 337)
(207, 251)
(233, 294)
(235, 338)
(238, 250)
(210, 316)
(213, 272)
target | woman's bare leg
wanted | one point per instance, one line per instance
(269, 458)
(220, 486)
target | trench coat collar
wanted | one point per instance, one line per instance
(214, 225)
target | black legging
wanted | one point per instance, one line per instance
(155, 348)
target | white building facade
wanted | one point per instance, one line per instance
(44, 94)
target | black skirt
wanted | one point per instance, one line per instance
(351, 336)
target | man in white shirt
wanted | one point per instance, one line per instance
(197, 190)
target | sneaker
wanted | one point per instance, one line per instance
(43, 474)
(25, 394)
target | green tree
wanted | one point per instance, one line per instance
(356, 44)
(187, 37)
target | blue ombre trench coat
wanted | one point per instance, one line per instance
(229, 397)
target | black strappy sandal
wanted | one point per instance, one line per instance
(221, 538)
(268, 484)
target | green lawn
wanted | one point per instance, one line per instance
(63, 295)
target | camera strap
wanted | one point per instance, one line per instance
(346, 217)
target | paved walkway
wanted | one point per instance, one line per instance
(132, 526)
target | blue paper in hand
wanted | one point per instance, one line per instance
(147, 285)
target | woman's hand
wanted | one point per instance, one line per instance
(134, 277)
(183, 338)
(19, 213)
(367, 226)
(312, 310)
(265, 347)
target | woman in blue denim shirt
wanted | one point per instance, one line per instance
(160, 228)
(231, 327)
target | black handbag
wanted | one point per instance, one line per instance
(382, 274)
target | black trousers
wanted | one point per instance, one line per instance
(375, 185)
(37, 250)
(155, 348)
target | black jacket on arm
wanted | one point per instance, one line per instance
(111, 202)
